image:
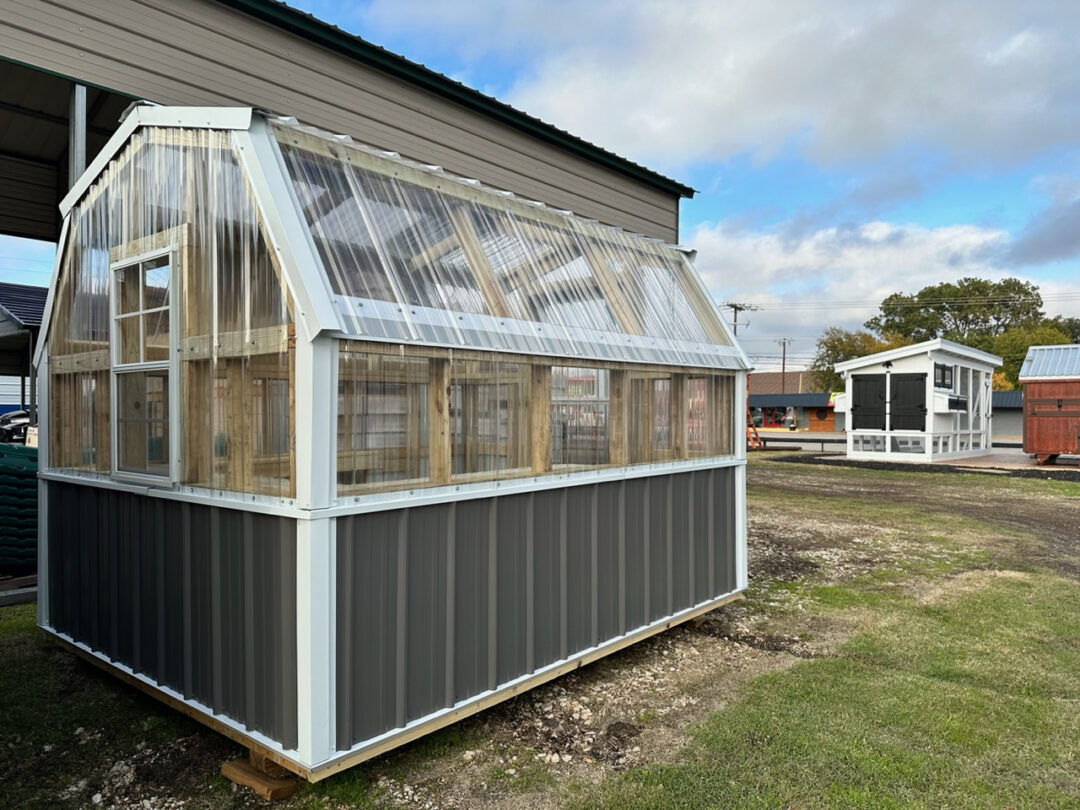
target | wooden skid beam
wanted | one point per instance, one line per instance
(272, 788)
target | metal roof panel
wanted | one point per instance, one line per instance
(1055, 362)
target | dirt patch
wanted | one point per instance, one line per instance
(1052, 521)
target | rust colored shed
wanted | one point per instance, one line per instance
(1051, 383)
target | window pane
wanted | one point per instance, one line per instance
(489, 416)
(156, 283)
(156, 335)
(127, 290)
(579, 415)
(382, 419)
(128, 339)
(143, 422)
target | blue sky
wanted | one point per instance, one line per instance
(842, 149)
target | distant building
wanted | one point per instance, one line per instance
(789, 400)
(925, 402)
(1051, 380)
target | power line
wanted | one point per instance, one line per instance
(912, 303)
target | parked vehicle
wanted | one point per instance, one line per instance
(13, 426)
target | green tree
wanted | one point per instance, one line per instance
(969, 311)
(1012, 346)
(1069, 326)
(837, 345)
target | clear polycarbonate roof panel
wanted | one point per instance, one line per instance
(1051, 361)
(414, 254)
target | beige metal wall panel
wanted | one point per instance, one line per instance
(199, 52)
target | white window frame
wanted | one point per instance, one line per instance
(171, 365)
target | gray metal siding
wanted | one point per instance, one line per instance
(437, 604)
(199, 599)
(200, 52)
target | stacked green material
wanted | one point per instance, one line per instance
(18, 509)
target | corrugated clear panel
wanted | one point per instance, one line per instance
(418, 255)
(79, 347)
(382, 427)
(651, 282)
(337, 223)
(556, 284)
(198, 298)
(489, 418)
(580, 405)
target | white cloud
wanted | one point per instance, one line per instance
(837, 276)
(992, 81)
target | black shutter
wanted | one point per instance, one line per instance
(868, 402)
(907, 401)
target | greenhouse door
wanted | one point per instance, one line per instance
(868, 402)
(907, 402)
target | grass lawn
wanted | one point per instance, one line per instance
(967, 700)
(954, 690)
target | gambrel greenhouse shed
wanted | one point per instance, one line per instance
(340, 448)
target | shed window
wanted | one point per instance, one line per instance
(943, 376)
(489, 416)
(382, 431)
(579, 415)
(141, 363)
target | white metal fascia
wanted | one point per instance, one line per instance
(927, 346)
(46, 316)
(287, 234)
(153, 116)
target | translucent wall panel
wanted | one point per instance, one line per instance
(416, 254)
(173, 224)
(650, 417)
(411, 417)
(382, 427)
(79, 380)
(489, 417)
(580, 416)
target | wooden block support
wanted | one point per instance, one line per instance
(264, 777)
(540, 418)
(439, 422)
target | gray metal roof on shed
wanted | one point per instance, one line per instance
(24, 303)
(1007, 400)
(1055, 362)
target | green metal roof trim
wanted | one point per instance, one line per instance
(330, 36)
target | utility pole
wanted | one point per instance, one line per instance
(735, 310)
(783, 363)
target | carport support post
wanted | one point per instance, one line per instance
(77, 134)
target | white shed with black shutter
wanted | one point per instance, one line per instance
(925, 402)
